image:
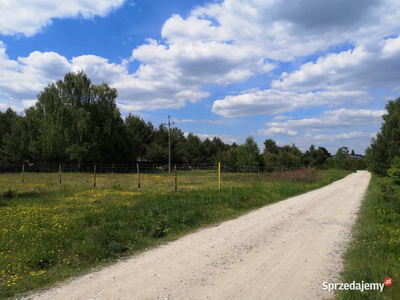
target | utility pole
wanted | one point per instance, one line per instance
(169, 143)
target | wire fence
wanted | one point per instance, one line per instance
(140, 176)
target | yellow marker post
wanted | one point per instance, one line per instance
(219, 176)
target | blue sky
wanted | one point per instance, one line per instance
(303, 73)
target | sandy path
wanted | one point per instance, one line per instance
(282, 251)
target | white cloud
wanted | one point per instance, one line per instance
(279, 118)
(333, 119)
(345, 136)
(29, 17)
(223, 43)
(284, 30)
(270, 102)
(24, 78)
(275, 131)
(200, 63)
(357, 69)
(146, 89)
(357, 140)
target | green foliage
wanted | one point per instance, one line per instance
(341, 158)
(358, 164)
(10, 193)
(248, 154)
(271, 147)
(331, 162)
(270, 159)
(316, 158)
(374, 252)
(73, 120)
(394, 171)
(386, 146)
(289, 156)
(7, 120)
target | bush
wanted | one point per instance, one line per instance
(387, 190)
(394, 171)
(9, 194)
(358, 164)
(331, 163)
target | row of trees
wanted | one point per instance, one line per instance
(77, 121)
(384, 149)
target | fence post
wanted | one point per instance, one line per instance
(23, 169)
(176, 180)
(138, 175)
(219, 176)
(286, 169)
(94, 183)
(59, 172)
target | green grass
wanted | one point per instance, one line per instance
(50, 232)
(374, 252)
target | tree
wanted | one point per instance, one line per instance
(270, 147)
(394, 171)
(157, 150)
(15, 143)
(138, 136)
(320, 158)
(289, 156)
(73, 120)
(192, 153)
(386, 146)
(7, 120)
(340, 158)
(249, 153)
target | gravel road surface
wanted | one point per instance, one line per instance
(282, 251)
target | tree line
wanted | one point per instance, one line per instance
(384, 152)
(75, 121)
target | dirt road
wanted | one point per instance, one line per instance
(282, 251)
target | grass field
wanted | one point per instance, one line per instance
(50, 231)
(374, 253)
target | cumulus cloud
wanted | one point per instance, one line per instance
(25, 77)
(284, 30)
(333, 119)
(279, 118)
(271, 102)
(29, 17)
(357, 140)
(345, 136)
(200, 63)
(352, 69)
(146, 89)
(276, 131)
(224, 43)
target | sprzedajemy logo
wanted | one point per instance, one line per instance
(356, 286)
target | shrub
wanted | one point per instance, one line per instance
(394, 171)
(9, 194)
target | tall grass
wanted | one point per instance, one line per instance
(374, 253)
(50, 232)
